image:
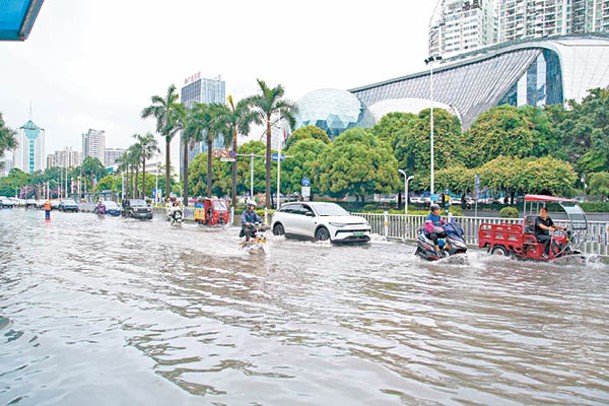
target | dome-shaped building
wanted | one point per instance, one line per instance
(332, 110)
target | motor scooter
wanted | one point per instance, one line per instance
(175, 215)
(453, 244)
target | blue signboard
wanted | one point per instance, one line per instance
(274, 157)
(305, 182)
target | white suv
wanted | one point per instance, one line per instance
(320, 221)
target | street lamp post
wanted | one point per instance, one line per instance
(429, 61)
(406, 180)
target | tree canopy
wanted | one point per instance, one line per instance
(358, 164)
(305, 133)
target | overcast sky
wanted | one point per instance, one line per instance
(96, 63)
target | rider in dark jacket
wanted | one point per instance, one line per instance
(248, 219)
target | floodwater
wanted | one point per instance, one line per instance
(109, 311)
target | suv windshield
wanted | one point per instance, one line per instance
(330, 209)
(138, 203)
(68, 201)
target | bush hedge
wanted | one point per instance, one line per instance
(509, 212)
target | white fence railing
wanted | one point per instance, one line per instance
(405, 227)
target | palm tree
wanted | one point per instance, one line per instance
(92, 167)
(135, 157)
(169, 114)
(148, 147)
(195, 123)
(266, 104)
(122, 163)
(238, 118)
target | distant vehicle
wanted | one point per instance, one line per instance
(137, 208)
(6, 203)
(68, 205)
(30, 204)
(55, 204)
(112, 208)
(18, 202)
(320, 221)
(211, 211)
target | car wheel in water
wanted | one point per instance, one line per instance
(278, 229)
(322, 234)
(499, 251)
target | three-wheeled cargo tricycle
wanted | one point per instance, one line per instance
(211, 211)
(519, 240)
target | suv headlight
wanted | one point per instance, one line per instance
(339, 225)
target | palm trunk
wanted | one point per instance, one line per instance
(234, 171)
(185, 175)
(268, 161)
(137, 189)
(209, 157)
(132, 194)
(167, 167)
(144, 177)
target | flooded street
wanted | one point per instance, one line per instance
(124, 312)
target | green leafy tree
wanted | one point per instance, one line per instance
(169, 114)
(306, 133)
(391, 124)
(197, 119)
(503, 130)
(456, 179)
(413, 145)
(106, 183)
(12, 184)
(358, 164)
(304, 162)
(268, 104)
(599, 184)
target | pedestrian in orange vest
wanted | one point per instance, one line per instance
(47, 210)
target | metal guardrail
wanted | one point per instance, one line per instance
(405, 227)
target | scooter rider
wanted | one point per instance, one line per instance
(433, 226)
(248, 219)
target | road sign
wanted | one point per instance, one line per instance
(217, 153)
(232, 154)
(224, 153)
(305, 182)
(306, 192)
(227, 159)
(274, 157)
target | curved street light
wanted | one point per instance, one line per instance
(406, 180)
(429, 61)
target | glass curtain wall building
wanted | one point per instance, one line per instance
(532, 73)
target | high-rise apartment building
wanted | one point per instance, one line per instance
(64, 159)
(29, 154)
(201, 90)
(94, 144)
(111, 155)
(460, 26)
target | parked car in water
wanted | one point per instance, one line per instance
(320, 221)
(112, 208)
(6, 203)
(136, 208)
(30, 204)
(68, 205)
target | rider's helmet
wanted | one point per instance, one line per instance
(251, 203)
(434, 207)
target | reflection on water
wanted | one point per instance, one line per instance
(114, 311)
